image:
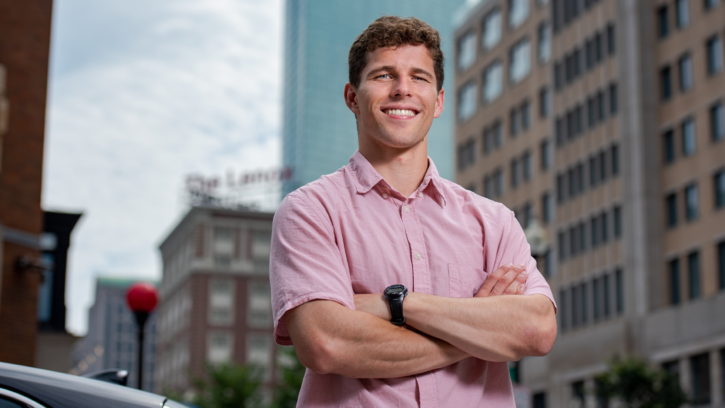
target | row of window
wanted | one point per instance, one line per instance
(491, 33)
(521, 167)
(590, 234)
(585, 57)
(685, 79)
(682, 15)
(700, 378)
(572, 123)
(691, 201)
(591, 301)
(688, 138)
(566, 11)
(520, 118)
(519, 68)
(694, 285)
(600, 167)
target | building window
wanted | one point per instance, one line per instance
(539, 400)
(619, 281)
(611, 40)
(683, 13)
(578, 393)
(520, 61)
(685, 65)
(544, 102)
(607, 296)
(219, 348)
(526, 164)
(595, 231)
(668, 146)
(466, 154)
(693, 273)
(558, 76)
(498, 183)
(605, 227)
(603, 165)
(615, 160)
(688, 137)
(710, 4)
(700, 367)
(514, 172)
(514, 122)
(546, 208)
(259, 308)
(663, 22)
(596, 295)
(612, 99)
(221, 302)
(717, 122)
(544, 43)
(259, 351)
(467, 101)
(673, 269)
(492, 81)
(617, 222)
(518, 12)
(583, 292)
(564, 311)
(560, 188)
(525, 115)
(719, 184)
(575, 306)
(562, 245)
(466, 50)
(721, 263)
(714, 55)
(488, 187)
(545, 155)
(691, 202)
(491, 29)
(671, 205)
(598, 54)
(593, 171)
(665, 83)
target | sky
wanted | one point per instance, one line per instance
(141, 94)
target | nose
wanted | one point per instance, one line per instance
(401, 87)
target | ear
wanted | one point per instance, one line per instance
(351, 98)
(440, 99)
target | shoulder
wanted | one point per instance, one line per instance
(321, 197)
(467, 200)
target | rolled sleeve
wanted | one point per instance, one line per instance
(305, 262)
(514, 248)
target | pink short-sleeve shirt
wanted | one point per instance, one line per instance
(350, 232)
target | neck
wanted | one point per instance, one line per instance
(403, 169)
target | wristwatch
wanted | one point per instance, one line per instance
(395, 295)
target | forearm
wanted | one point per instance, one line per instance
(331, 338)
(500, 328)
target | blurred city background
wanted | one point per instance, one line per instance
(152, 142)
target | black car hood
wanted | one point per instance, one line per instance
(57, 390)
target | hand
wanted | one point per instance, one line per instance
(506, 280)
(375, 304)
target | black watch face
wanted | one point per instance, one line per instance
(396, 290)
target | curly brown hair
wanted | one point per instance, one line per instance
(393, 31)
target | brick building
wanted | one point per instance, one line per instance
(603, 120)
(215, 302)
(24, 54)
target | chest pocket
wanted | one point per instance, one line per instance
(464, 281)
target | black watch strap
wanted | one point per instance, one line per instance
(396, 311)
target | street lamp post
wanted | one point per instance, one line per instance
(141, 298)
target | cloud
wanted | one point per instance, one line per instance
(140, 96)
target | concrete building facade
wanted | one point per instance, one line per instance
(24, 55)
(215, 296)
(111, 341)
(615, 143)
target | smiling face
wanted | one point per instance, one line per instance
(397, 98)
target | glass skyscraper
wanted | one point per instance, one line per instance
(318, 133)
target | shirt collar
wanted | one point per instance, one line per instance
(366, 177)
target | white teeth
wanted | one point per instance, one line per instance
(400, 112)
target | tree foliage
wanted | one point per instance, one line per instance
(229, 386)
(638, 385)
(292, 373)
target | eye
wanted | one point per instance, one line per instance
(387, 76)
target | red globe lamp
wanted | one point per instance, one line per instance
(141, 298)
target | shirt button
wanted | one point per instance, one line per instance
(385, 195)
(420, 195)
(406, 209)
(417, 255)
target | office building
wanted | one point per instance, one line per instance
(111, 341)
(603, 121)
(318, 130)
(215, 296)
(24, 54)
(55, 344)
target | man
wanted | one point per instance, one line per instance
(387, 223)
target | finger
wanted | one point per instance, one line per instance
(513, 288)
(503, 284)
(492, 279)
(522, 289)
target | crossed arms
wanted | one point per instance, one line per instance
(494, 325)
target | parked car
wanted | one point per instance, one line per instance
(27, 387)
